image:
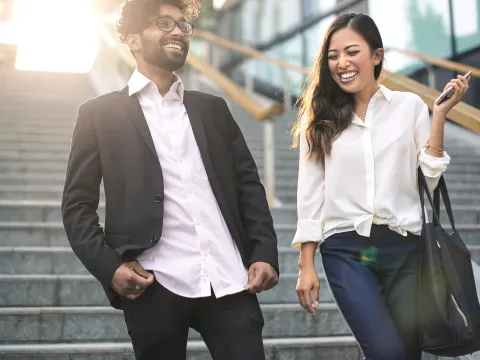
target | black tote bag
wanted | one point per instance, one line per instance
(449, 310)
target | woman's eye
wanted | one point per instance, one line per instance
(353, 53)
(333, 57)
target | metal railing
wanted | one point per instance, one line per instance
(463, 113)
(431, 61)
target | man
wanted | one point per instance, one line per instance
(188, 238)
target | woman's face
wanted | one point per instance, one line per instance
(351, 61)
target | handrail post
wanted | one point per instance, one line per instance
(287, 98)
(269, 160)
(208, 52)
(431, 76)
(248, 76)
(215, 51)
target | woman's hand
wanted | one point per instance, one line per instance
(460, 87)
(308, 287)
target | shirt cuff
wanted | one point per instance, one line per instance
(308, 231)
(432, 166)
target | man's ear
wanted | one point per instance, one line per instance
(134, 43)
(379, 53)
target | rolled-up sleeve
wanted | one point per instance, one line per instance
(310, 197)
(432, 167)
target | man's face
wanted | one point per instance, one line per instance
(166, 50)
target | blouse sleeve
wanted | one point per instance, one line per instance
(432, 167)
(310, 197)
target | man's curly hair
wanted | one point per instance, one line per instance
(135, 14)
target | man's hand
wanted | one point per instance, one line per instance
(261, 276)
(131, 280)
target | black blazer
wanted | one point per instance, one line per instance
(111, 141)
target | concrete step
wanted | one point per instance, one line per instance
(85, 290)
(55, 175)
(35, 146)
(453, 186)
(454, 170)
(56, 122)
(457, 198)
(34, 192)
(53, 233)
(35, 139)
(17, 260)
(33, 178)
(470, 233)
(460, 194)
(44, 83)
(13, 171)
(80, 324)
(44, 135)
(38, 130)
(282, 154)
(49, 210)
(315, 348)
(286, 160)
(20, 155)
(12, 166)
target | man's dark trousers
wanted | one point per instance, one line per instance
(159, 320)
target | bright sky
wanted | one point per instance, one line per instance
(55, 35)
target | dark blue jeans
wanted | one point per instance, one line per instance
(374, 281)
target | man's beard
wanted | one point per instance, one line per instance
(156, 55)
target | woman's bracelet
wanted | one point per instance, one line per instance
(434, 149)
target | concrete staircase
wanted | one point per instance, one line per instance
(51, 308)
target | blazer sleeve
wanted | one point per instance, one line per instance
(254, 210)
(80, 203)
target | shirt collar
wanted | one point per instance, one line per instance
(138, 82)
(386, 92)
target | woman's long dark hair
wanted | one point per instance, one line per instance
(327, 108)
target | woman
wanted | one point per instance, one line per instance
(360, 147)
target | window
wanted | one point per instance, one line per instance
(418, 25)
(466, 15)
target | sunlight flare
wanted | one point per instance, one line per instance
(55, 35)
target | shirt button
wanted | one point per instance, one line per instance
(158, 198)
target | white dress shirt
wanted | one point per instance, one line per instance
(370, 176)
(196, 250)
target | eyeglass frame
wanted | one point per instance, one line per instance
(175, 24)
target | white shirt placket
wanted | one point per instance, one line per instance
(369, 157)
(194, 207)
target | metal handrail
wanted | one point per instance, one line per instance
(442, 63)
(463, 114)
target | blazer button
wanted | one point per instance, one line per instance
(158, 199)
(154, 240)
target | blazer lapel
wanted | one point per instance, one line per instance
(134, 110)
(194, 114)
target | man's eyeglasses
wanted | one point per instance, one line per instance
(167, 24)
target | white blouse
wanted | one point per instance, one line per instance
(370, 176)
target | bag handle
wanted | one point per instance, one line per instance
(423, 188)
(442, 190)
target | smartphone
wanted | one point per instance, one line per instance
(448, 91)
